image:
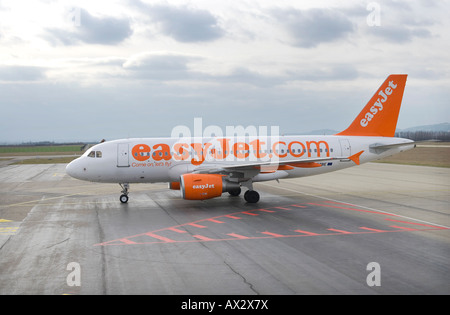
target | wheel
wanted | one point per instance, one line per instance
(251, 196)
(123, 198)
(235, 192)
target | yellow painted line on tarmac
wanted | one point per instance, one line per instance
(6, 228)
(10, 230)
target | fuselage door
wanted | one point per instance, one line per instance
(345, 147)
(123, 155)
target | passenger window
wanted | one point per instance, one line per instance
(91, 154)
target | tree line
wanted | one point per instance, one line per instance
(424, 135)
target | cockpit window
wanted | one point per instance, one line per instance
(93, 154)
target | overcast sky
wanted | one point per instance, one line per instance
(86, 70)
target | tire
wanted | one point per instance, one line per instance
(123, 198)
(251, 196)
(235, 192)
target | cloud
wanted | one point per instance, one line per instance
(187, 25)
(91, 30)
(399, 33)
(402, 22)
(160, 66)
(170, 66)
(21, 73)
(309, 28)
(332, 72)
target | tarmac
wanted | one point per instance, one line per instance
(372, 229)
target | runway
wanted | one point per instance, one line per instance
(314, 235)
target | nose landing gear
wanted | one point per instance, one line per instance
(124, 197)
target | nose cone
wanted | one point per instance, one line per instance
(74, 169)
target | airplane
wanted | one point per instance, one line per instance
(205, 168)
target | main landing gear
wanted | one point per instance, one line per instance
(124, 197)
(251, 196)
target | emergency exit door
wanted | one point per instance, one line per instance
(123, 155)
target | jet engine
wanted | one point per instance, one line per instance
(205, 186)
(174, 185)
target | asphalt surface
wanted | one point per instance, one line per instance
(371, 229)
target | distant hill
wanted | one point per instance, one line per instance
(443, 127)
(425, 132)
(440, 132)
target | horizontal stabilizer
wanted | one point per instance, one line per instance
(381, 146)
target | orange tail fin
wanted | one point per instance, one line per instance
(379, 117)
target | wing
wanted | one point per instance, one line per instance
(250, 169)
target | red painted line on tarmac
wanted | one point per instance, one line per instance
(403, 228)
(282, 208)
(203, 238)
(126, 241)
(159, 237)
(197, 225)
(338, 203)
(421, 224)
(370, 229)
(180, 229)
(354, 209)
(214, 220)
(234, 236)
(242, 237)
(249, 213)
(176, 230)
(340, 231)
(306, 232)
(272, 234)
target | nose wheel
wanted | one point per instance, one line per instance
(124, 197)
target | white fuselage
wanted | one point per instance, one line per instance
(151, 160)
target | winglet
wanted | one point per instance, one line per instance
(355, 157)
(379, 117)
